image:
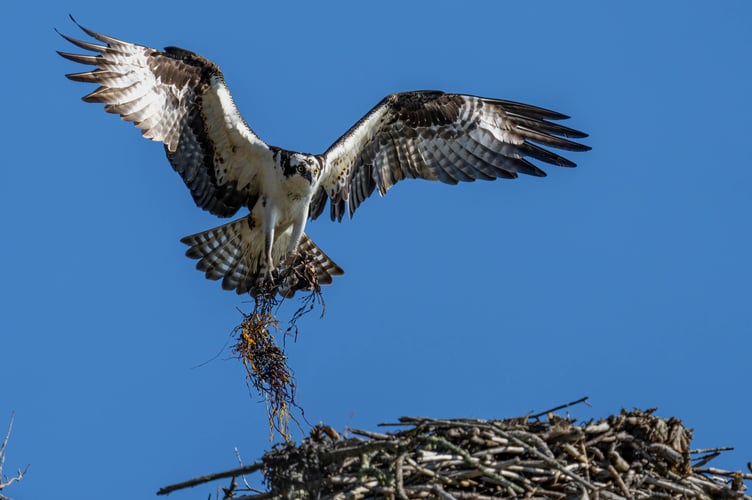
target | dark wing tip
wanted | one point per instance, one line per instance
(576, 134)
(78, 58)
(74, 22)
(562, 162)
(537, 124)
(569, 133)
(89, 32)
(110, 41)
(527, 109)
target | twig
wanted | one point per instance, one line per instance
(433, 475)
(710, 450)
(19, 474)
(667, 485)
(619, 481)
(550, 461)
(240, 462)
(400, 477)
(369, 434)
(725, 473)
(246, 469)
(5, 443)
(474, 462)
(561, 407)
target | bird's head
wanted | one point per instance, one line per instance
(303, 165)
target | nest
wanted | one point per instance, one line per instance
(635, 454)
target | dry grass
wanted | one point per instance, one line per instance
(264, 360)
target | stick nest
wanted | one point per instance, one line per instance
(631, 455)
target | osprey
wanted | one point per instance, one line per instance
(181, 99)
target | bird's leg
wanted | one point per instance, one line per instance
(268, 240)
(270, 223)
(297, 233)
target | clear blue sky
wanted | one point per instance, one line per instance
(626, 279)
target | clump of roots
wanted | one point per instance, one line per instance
(266, 368)
(265, 361)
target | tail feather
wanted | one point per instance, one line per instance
(326, 268)
(234, 253)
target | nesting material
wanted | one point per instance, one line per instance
(297, 275)
(635, 454)
(265, 361)
(266, 369)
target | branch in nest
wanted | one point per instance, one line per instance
(247, 469)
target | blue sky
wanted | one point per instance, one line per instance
(626, 279)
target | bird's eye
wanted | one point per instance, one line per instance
(301, 169)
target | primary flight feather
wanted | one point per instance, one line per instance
(181, 99)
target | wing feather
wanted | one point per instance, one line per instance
(474, 163)
(436, 136)
(179, 98)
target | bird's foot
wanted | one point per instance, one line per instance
(288, 262)
(270, 275)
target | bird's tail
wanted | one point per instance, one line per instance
(234, 253)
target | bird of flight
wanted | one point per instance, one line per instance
(181, 99)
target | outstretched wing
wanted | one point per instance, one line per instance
(437, 136)
(181, 99)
